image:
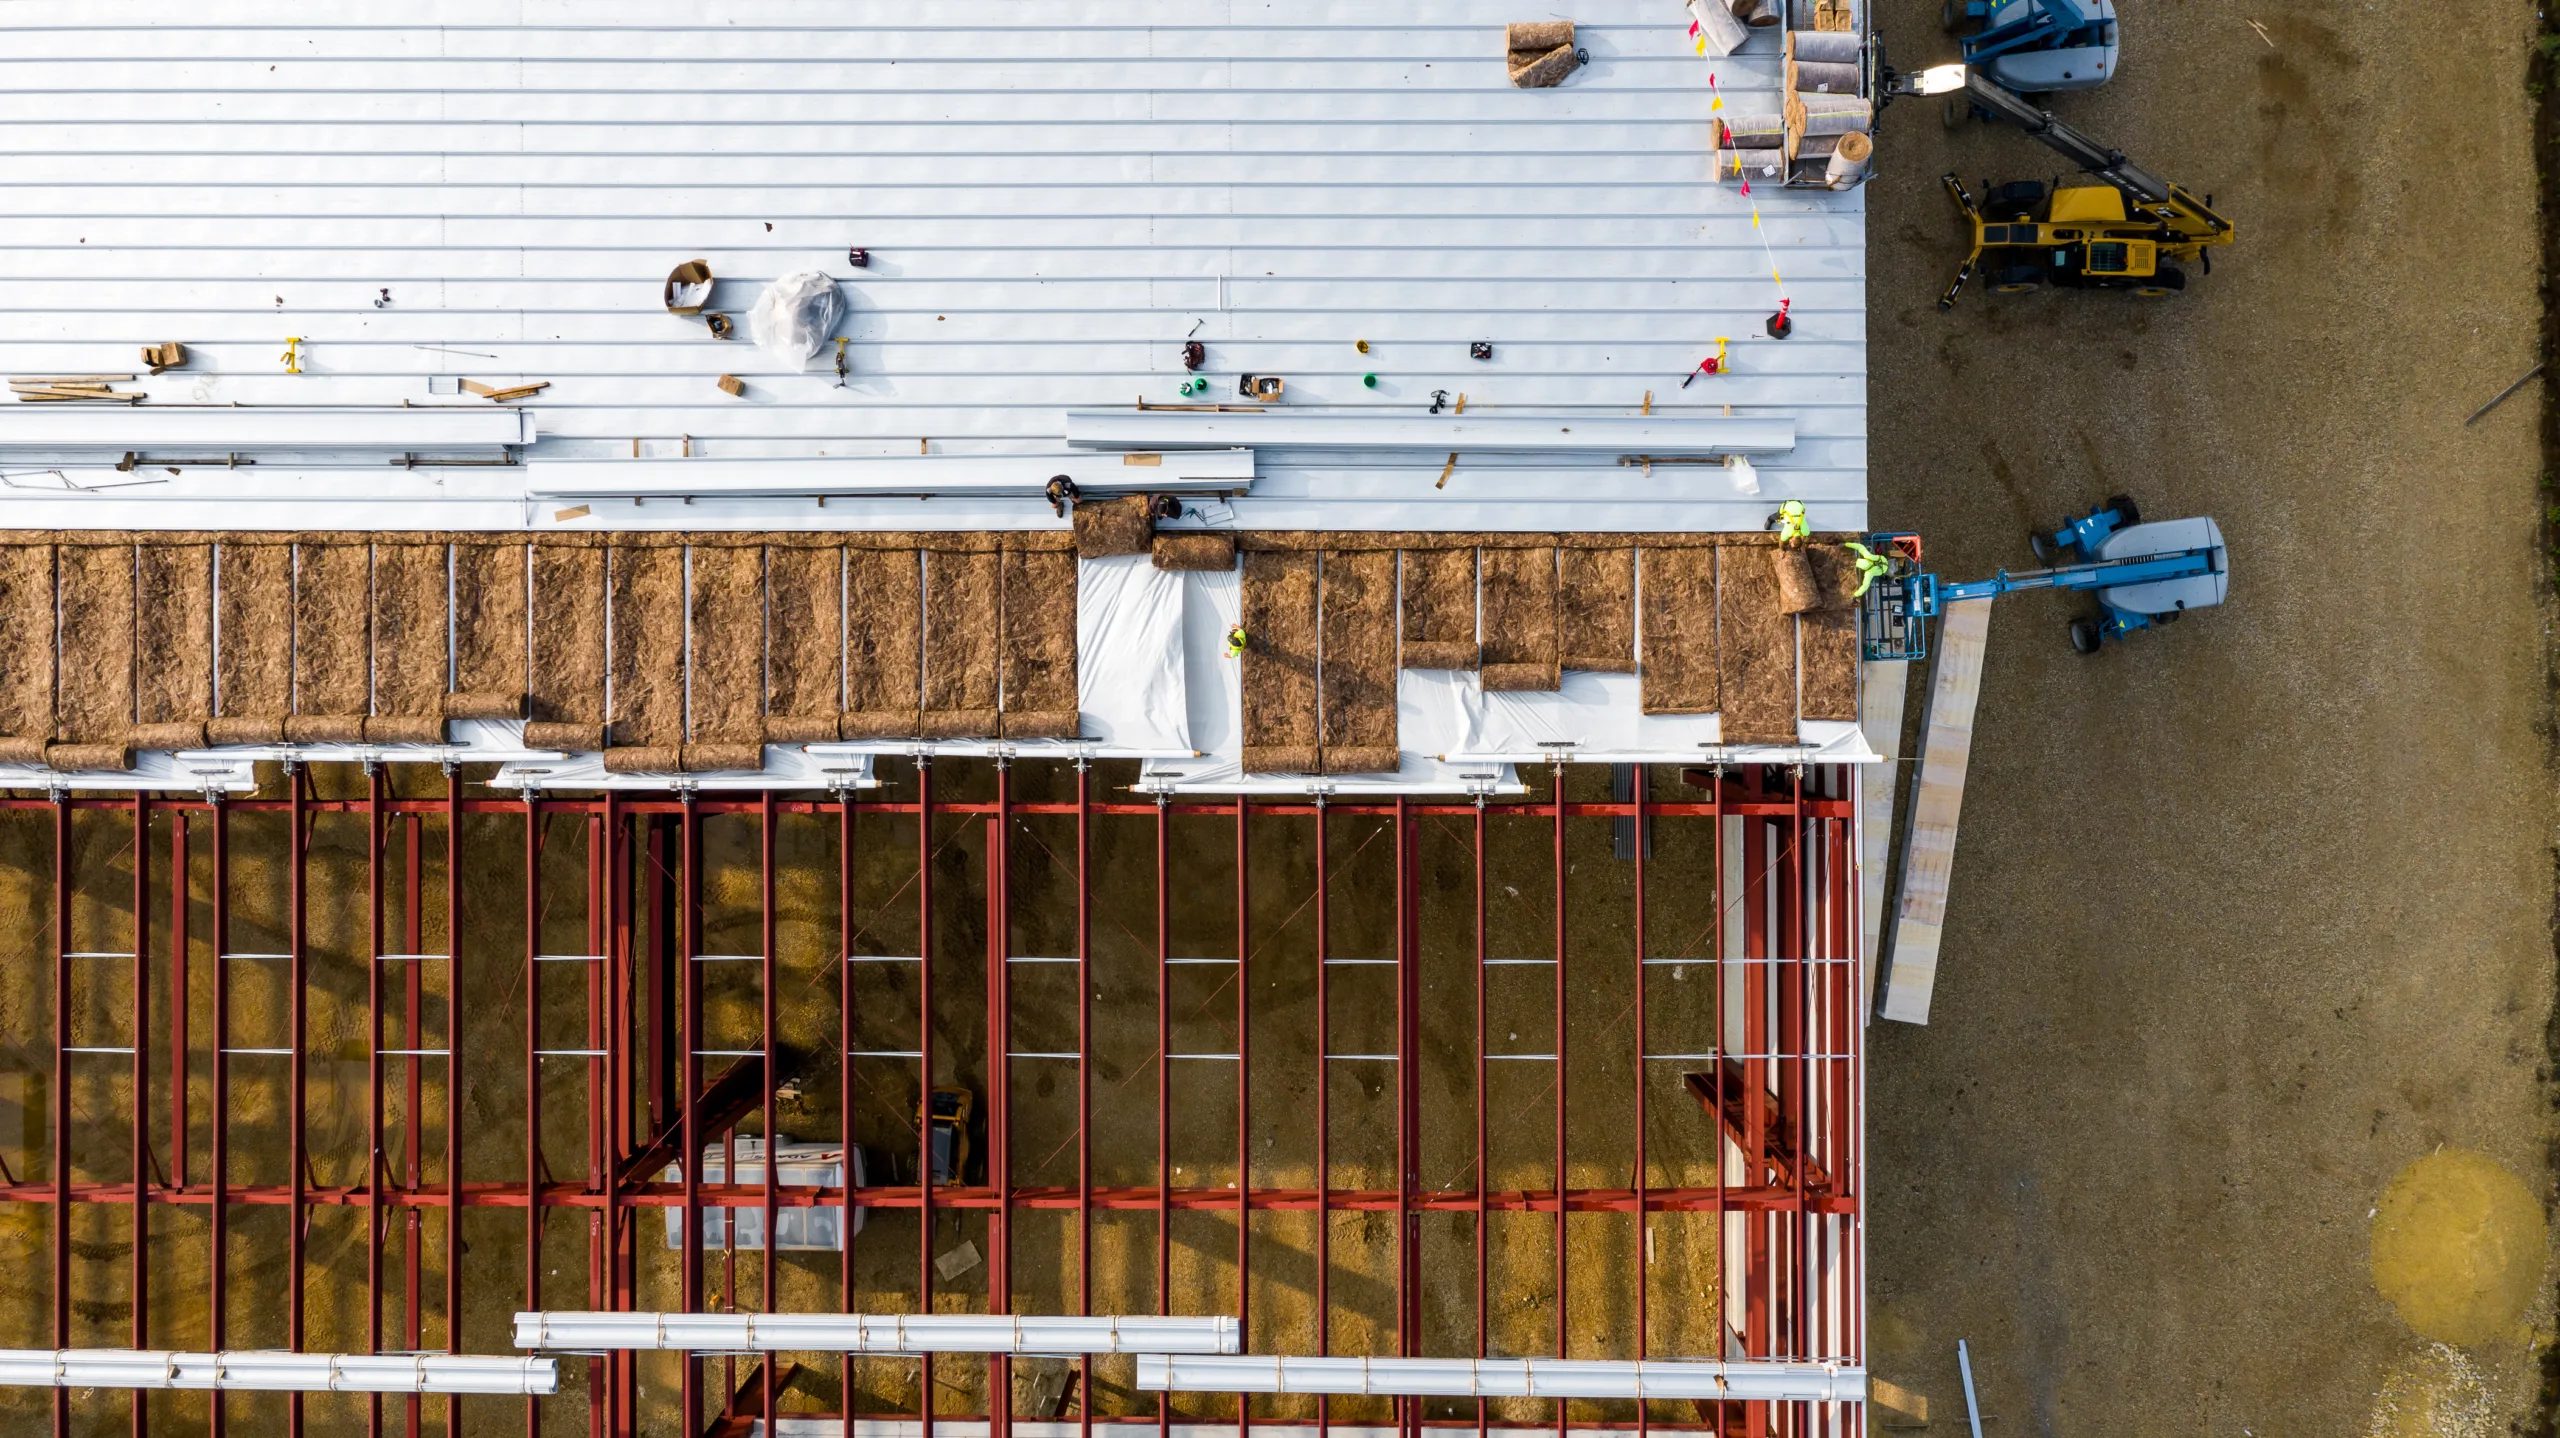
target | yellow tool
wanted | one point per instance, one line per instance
(293, 355)
(2130, 230)
(842, 369)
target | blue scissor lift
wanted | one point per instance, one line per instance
(2142, 574)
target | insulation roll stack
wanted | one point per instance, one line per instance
(1849, 157)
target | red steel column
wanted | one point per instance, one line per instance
(1164, 1093)
(1000, 1085)
(453, 1086)
(1324, 1106)
(1084, 1083)
(219, 1286)
(179, 882)
(689, 979)
(1480, 956)
(1244, 1107)
(61, 1098)
(374, 1209)
(141, 1289)
(924, 1078)
(1408, 956)
(765, 820)
(297, 1150)
(1562, 1348)
(844, 1071)
(532, 1082)
(1644, 1219)
(413, 1125)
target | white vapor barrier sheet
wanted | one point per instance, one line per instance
(1506, 1378)
(1599, 718)
(875, 1333)
(1131, 684)
(786, 766)
(230, 771)
(1424, 729)
(272, 1371)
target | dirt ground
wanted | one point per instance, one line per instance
(2251, 914)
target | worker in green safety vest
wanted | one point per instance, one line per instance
(1789, 521)
(1871, 567)
(1235, 641)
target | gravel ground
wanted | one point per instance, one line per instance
(2253, 913)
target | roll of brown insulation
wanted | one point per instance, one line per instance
(706, 758)
(574, 738)
(484, 706)
(79, 758)
(166, 736)
(644, 759)
(404, 729)
(1797, 593)
(1849, 160)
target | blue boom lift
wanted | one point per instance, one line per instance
(2142, 574)
(2037, 46)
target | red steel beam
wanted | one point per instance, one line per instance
(1244, 1104)
(844, 1070)
(61, 1102)
(1324, 1107)
(453, 1082)
(689, 1066)
(1563, 1349)
(219, 1284)
(1644, 1220)
(1164, 1091)
(1084, 1084)
(533, 1208)
(1000, 1084)
(141, 1282)
(373, 784)
(924, 1080)
(297, 1154)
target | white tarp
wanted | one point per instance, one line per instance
(1424, 728)
(1130, 685)
(1600, 718)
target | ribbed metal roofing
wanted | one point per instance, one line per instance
(1054, 197)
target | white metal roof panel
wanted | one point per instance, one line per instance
(1055, 196)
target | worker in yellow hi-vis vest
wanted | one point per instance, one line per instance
(1871, 567)
(1789, 521)
(1235, 641)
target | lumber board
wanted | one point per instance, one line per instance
(1937, 803)
(1680, 673)
(1356, 672)
(95, 705)
(724, 660)
(1755, 652)
(1881, 693)
(1279, 684)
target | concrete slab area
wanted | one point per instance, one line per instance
(2254, 912)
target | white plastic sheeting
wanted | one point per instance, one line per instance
(1600, 718)
(1131, 689)
(1213, 603)
(786, 766)
(794, 316)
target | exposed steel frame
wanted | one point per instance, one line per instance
(1786, 1095)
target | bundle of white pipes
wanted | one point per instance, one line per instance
(276, 1372)
(1745, 1381)
(874, 1333)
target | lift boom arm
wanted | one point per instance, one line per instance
(2170, 204)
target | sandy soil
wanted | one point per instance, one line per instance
(2252, 913)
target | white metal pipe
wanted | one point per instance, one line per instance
(976, 476)
(1660, 436)
(202, 430)
(276, 1371)
(1507, 1378)
(875, 1333)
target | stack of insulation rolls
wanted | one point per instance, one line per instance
(1820, 136)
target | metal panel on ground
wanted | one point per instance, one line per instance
(1928, 856)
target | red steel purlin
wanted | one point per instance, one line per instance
(1786, 1197)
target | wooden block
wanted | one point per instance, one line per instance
(732, 385)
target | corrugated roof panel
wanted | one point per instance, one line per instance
(1055, 197)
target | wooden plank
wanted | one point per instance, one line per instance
(1755, 651)
(1881, 693)
(1929, 852)
(1279, 664)
(95, 705)
(724, 642)
(646, 588)
(1680, 671)
(1356, 678)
